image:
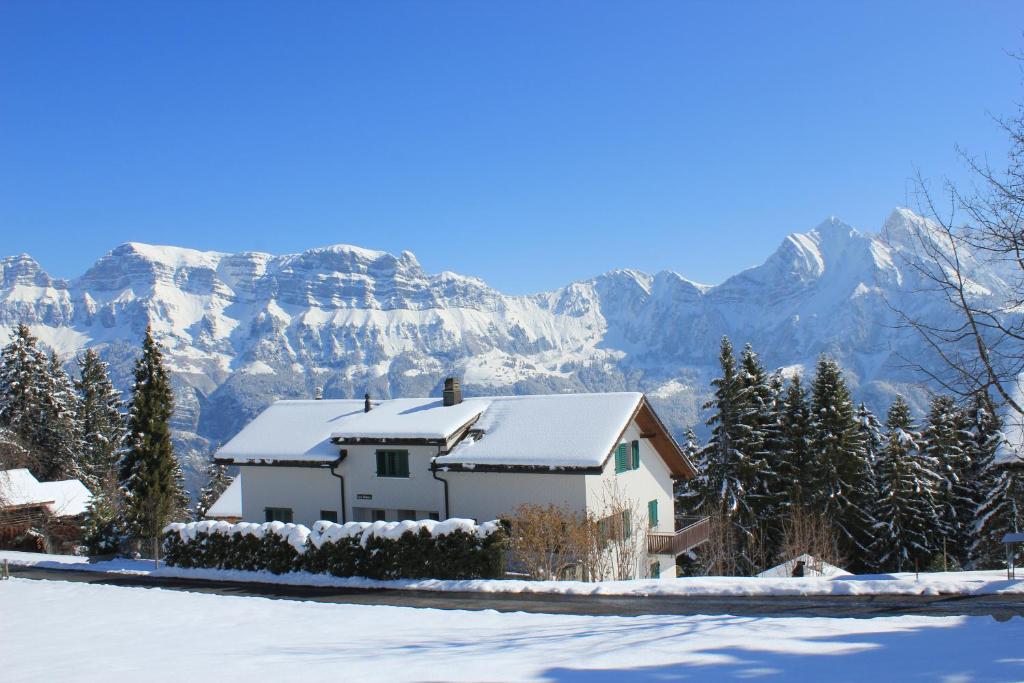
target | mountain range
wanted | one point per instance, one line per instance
(241, 330)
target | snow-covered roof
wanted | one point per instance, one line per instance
(63, 498)
(812, 567)
(556, 430)
(229, 505)
(291, 431)
(409, 418)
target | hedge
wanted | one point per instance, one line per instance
(453, 549)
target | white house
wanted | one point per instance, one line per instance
(479, 458)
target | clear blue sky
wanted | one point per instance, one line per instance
(529, 143)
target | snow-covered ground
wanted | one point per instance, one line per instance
(56, 630)
(942, 583)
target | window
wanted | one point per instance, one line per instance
(621, 459)
(652, 513)
(655, 570)
(393, 464)
(635, 464)
(278, 514)
(406, 514)
(329, 515)
(434, 516)
(378, 515)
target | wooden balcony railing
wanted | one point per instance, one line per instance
(693, 531)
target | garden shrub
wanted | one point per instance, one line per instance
(453, 549)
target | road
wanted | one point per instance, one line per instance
(1001, 607)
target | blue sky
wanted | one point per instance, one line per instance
(529, 143)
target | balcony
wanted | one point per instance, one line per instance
(692, 532)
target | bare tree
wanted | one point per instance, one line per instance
(807, 533)
(978, 342)
(548, 542)
(624, 533)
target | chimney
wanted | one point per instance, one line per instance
(366, 403)
(319, 394)
(452, 391)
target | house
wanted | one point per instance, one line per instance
(40, 515)
(480, 458)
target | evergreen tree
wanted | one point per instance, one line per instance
(999, 477)
(217, 481)
(731, 461)
(22, 390)
(716, 486)
(837, 443)
(690, 499)
(797, 473)
(906, 507)
(102, 528)
(101, 418)
(150, 474)
(944, 441)
(59, 434)
(759, 437)
(39, 406)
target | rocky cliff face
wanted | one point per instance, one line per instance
(243, 329)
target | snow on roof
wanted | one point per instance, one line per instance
(230, 502)
(291, 430)
(556, 430)
(64, 498)
(812, 567)
(410, 418)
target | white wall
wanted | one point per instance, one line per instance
(306, 490)
(420, 492)
(484, 496)
(651, 481)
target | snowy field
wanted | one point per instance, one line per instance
(56, 631)
(948, 583)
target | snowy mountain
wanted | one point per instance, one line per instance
(244, 329)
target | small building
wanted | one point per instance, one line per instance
(43, 516)
(228, 507)
(810, 566)
(479, 458)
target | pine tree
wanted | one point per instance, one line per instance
(101, 418)
(727, 465)
(217, 481)
(759, 437)
(945, 441)
(715, 486)
(837, 444)
(797, 472)
(907, 485)
(59, 434)
(690, 499)
(22, 389)
(102, 528)
(150, 474)
(999, 477)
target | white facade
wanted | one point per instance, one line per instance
(304, 490)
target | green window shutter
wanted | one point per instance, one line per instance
(621, 459)
(652, 513)
(627, 524)
(382, 464)
(402, 466)
(636, 455)
(655, 570)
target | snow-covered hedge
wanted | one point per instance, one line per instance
(453, 549)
